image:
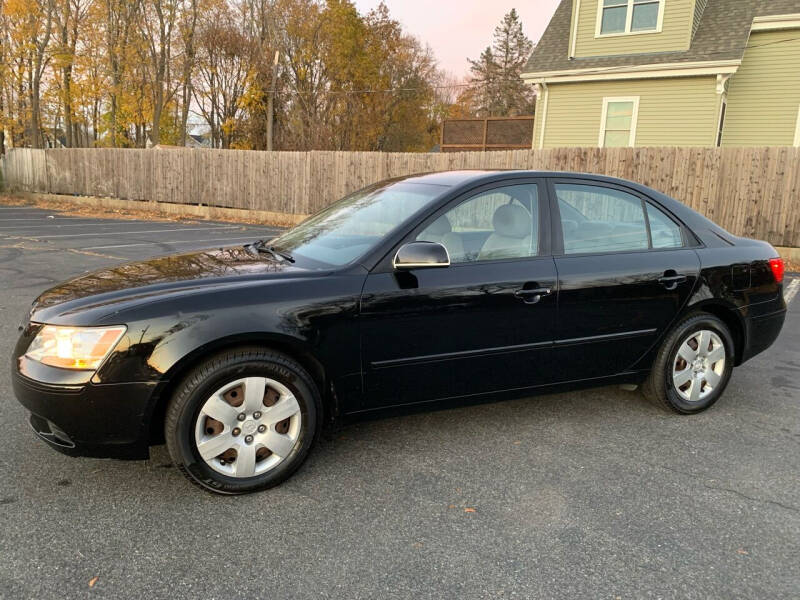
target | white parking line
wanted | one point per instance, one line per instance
(92, 222)
(791, 290)
(39, 219)
(116, 233)
(252, 237)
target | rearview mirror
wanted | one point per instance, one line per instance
(421, 255)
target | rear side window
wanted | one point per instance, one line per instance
(600, 220)
(664, 231)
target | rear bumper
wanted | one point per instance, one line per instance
(762, 331)
(103, 421)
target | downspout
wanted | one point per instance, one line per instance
(722, 98)
(545, 102)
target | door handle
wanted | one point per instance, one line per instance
(533, 296)
(671, 280)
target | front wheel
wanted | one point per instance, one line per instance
(693, 366)
(242, 421)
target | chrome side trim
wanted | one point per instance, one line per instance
(421, 265)
(400, 362)
(602, 338)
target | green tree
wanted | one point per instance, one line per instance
(496, 86)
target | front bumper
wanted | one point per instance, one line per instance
(98, 420)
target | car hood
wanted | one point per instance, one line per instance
(109, 290)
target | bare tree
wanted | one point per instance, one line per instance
(120, 21)
(160, 17)
(222, 69)
(44, 13)
(70, 17)
(188, 28)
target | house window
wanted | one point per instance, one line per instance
(629, 16)
(618, 123)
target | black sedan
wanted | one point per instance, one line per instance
(421, 292)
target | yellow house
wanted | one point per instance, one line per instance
(668, 73)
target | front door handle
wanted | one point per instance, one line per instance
(671, 280)
(533, 296)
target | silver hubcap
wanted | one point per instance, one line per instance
(699, 365)
(248, 427)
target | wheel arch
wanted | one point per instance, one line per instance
(730, 315)
(292, 347)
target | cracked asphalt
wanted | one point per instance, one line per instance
(592, 494)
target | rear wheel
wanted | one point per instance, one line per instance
(242, 421)
(693, 366)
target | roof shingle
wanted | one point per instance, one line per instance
(722, 35)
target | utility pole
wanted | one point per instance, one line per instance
(271, 103)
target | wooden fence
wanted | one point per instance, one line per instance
(750, 191)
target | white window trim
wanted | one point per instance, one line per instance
(628, 21)
(573, 42)
(797, 131)
(634, 118)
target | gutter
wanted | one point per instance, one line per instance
(685, 69)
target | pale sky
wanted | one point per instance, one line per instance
(461, 29)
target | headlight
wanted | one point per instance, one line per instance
(79, 348)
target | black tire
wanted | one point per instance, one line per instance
(209, 376)
(658, 387)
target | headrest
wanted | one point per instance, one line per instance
(440, 226)
(520, 193)
(512, 220)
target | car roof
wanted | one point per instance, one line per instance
(478, 176)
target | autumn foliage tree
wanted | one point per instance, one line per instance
(135, 73)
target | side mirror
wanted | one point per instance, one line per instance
(421, 255)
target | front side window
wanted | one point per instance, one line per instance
(599, 219)
(619, 119)
(353, 226)
(501, 223)
(630, 16)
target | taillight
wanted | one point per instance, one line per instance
(776, 264)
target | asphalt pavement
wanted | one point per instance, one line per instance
(592, 494)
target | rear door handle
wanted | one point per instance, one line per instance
(672, 280)
(533, 296)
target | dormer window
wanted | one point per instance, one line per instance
(620, 17)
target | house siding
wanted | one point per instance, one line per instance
(672, 112)
(675, 34)
(764, 94)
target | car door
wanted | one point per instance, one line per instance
(625, 269)
(483, 324)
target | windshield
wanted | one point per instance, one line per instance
(353, 226)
